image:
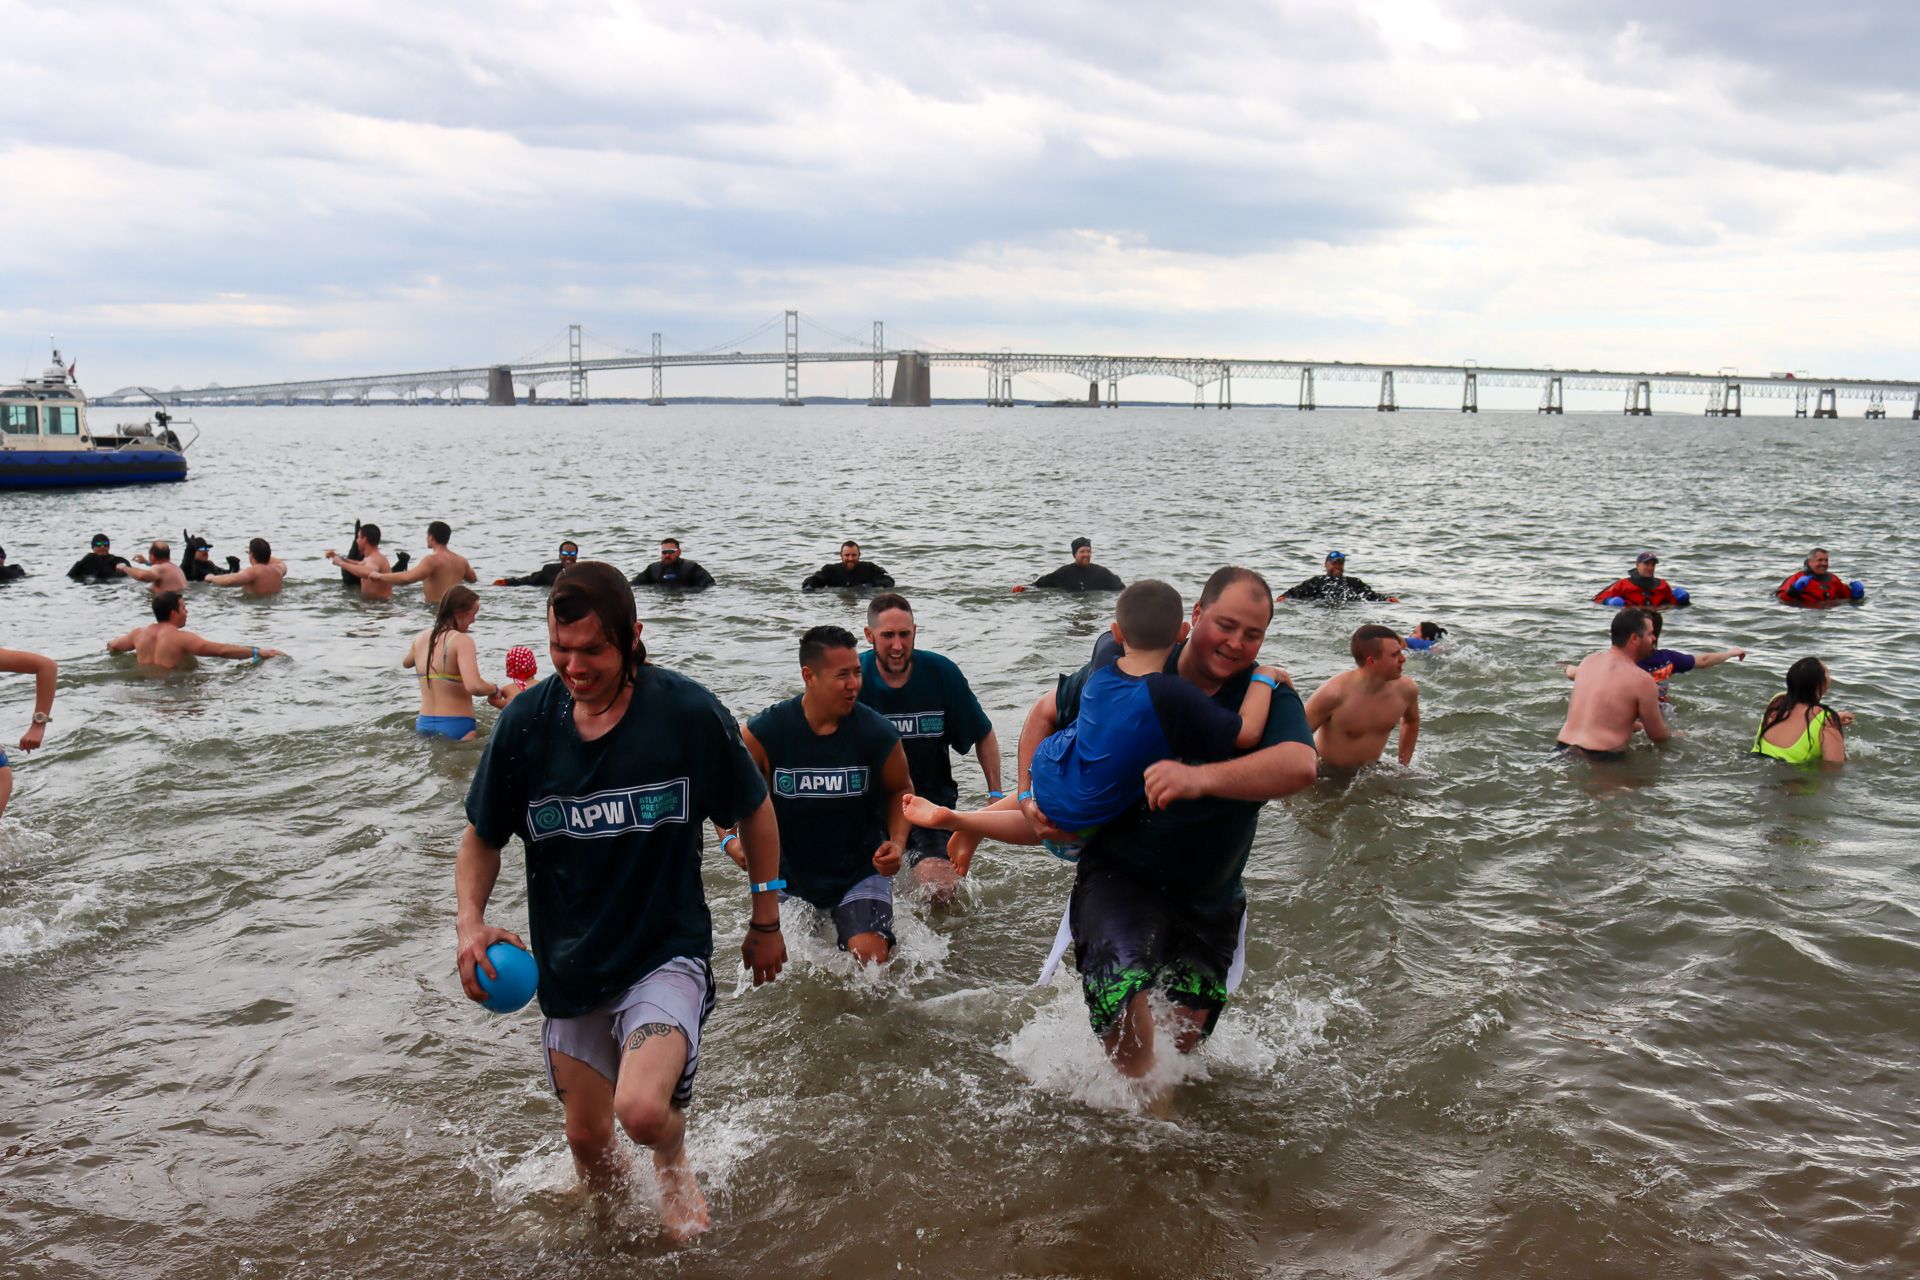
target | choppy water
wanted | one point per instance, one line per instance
(1502, 1017)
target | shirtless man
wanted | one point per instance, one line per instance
(262, 576)
(162, 574)
(369, 560)
(440, 569)
(1612, 696)
(167, 644)
(1353, 714)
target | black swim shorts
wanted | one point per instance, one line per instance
(1588, 753)
(925, 842)
(1130, 936)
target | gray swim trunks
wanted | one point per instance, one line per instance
(679, 992)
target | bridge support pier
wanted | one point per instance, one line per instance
(1640, 399)
(1387, 403)
(500, 385)
(1113, 390)
(1553, 396)
(1916, 406)
(1828, 405)
(879, 395)
(1724, 401)
(1093, 392)
(1877, 405)
(1470, 393)
(912, 380)
(659, 388)
(1226, 387)
(792, 398)
(576, 368)
(1306, 390)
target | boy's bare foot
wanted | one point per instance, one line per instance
(960, 847)
(923, 813)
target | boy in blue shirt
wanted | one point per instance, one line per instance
(1132, 713)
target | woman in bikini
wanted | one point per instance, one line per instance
(449, 666)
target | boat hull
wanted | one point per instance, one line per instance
(28, 469)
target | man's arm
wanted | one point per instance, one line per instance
(1703, 660)
(44, 673)
(470, 575)
(763, 950)
(881, 578)
(1267, 774)
(475, 869)
(815, 580)
(239, 579)
(1324, 702)
(358, 568)
(132, 571)
(1410, 725)
(1647, 703)
(1052, 580)
(205, 648)
(121, 644)
(417, 572)
(988, 749)
(759, 754)
(895, 783)
(699, 579)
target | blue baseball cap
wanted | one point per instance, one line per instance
(1336, 555)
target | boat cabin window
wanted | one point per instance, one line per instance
(20, 419)
(63, 420)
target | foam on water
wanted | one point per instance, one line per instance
(57, 916)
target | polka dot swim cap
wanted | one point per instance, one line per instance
(521, 664)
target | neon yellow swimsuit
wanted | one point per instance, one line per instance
(1805, 751)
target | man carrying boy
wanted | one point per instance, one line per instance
(1353, 714)
(837, 773)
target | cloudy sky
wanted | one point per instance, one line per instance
(229, 192)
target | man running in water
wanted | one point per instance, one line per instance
(673, 570)
(162, 574)
(851, 573)
(1157, 902)
(166, 645)
(1353, 714)
(99, 564)
(1612, 695)
(439, 569)
(1081, 575)
(549, 573)
(1333, 585)
(605, 774)
(262, 576)
(838, 772)
(365, 564)
(44, 672)
(931, 706)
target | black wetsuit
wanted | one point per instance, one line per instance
(11, 572)
(839, 577)
(1081, 577)
(101, 566)
(1326, 586)
(545, 576)
(682, 573)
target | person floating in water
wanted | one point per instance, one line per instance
(1353, 714)
(166, 645)
(448, 663)
(1082, 574)
(1333, 585)
(674, 570)
(605, 774)
(1427, 635)
(360, 568)
(1643, 588)
(263, 575)
(440, 569)
(9, 572)
(161, 573)
(549, 573)
(1132, 714)
(1812, 584)
(99, 564)
(45, 673)
(838, 772)
(1613, 696)
(851, 573)
(1799, 727)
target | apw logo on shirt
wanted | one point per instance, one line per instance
(831, 784)
(919, 724)
(606, 814)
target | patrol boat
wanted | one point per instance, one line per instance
(45, 442)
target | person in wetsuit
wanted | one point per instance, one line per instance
(851, 573)
(673, 570)
(99, 564)
(1333, 585)
(1081, 575)
(1643, 588)
(1812, 584)
(549, 573)
(200, 566)
(9, 572)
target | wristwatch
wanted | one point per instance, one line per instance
(41, 717)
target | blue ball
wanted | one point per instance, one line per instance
(1616, 602)
(1858, 589)
(1681, 595)
(519, 976)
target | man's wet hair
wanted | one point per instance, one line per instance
(849, 543)
(441, 532)
(1149, 615)
(884, 601)
(570, 543)
(371, 532)
(1361, 646)
(1233, 575)
(1817, 551)
(1626, 625)
(670, 542)
(260, 550)
(820, 641)
(594, 588)
(1078, 543)
(159, 551)
(164, 604)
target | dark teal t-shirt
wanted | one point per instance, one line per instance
(612, 828)
(828, 796)
(934, 710)
(1193, 850)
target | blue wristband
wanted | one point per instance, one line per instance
(1024, 796)
(1267, 680)
(767, 886)
(996, 795)
(728, 839)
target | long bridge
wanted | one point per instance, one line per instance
(1212, 377)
